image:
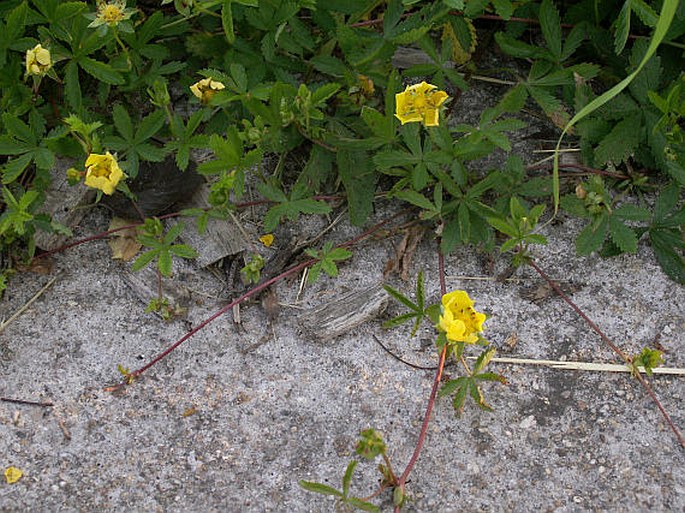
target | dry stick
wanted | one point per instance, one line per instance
(579, 167)
(16, 314)
(614, 348)
(246, 295)
(26, 402)
(431, 399)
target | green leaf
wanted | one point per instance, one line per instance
(620, 143)
(144, 259)
(319, 488)
(14, 168)
(670, 259)
(622, 27)
(183, 251)
(415, 198)
(668, 11)
(150, 125)
(400, 319)
(359, 180)
(347, 478)
(551, 27)
(122, 122)
(592, 236)
(227, 21)
(632, 213)
(402, 298)
(101, 71)
(362, 505)
(164, 263)
(623, 236)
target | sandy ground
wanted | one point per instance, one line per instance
(235, 417)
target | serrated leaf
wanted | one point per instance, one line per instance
(623, 236)
(483, 360)
(415, 198)
(122, 122)
(150, 125)
(227, 21)
(503, 8)
(550, 23)
(400, 319)
(620, 143)
(592, 236)
(164, 263)
(362, 505)
(502, 226)
(632, 213)
(101, 71)
(516, 48)
(319, 488)
(622, 27)
(144, 260)
(359, 180)
(670, 260)
(451, 386)
(402, 298)
(183, 251)
(666, 202)
(347, 478)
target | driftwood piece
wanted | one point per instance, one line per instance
(62, 202)
(221, 239)
(144, 284)
(344, 314)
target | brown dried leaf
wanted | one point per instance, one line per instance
(124, 244)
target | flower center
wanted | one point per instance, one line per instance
(112, 14)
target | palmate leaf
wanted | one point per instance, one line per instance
(665, 243)
(550, 23)
(620, 143)
(592, 236)
(359, 180)
(623, 236)
(668, 11)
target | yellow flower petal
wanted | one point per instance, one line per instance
(419, 102)
(103, 172)
(38, 60)
(267, 239)
(204, 89)
(13, 474)
(458, 319)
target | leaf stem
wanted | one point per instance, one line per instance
(401, 483)
(614, 348)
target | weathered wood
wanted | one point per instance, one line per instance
(344, 314)
(221, 239)
(62, 202)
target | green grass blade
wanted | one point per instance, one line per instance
(665, 18)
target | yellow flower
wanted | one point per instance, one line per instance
(419, 102)
(267, 239)
(458, 319)
(112, 12)
(205, 89)
(38, 61)
(12, 475)
(103, 172)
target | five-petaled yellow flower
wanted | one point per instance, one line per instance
(458, 319)
(112, 13)
(38, 61)
(103, 172)
(419, 102)
(206, 88)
